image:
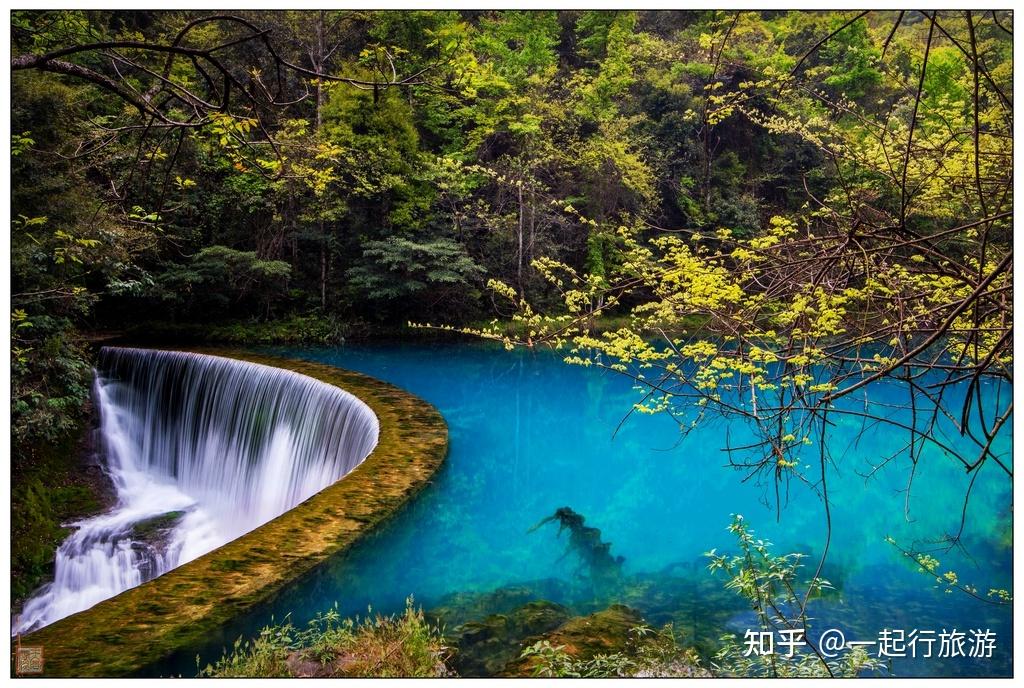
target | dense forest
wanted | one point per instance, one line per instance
(797, 183)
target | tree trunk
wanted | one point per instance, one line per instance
(519, 252)
(323, 269)
(533, 223)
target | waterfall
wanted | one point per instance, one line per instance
(201, 450)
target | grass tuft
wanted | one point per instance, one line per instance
(402, 645)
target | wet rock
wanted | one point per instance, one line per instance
(92, 470)
(150, 539)
(152, 529)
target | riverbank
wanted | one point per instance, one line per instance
(539, 638)
(315, 329)
(179, 608)
(53, 484)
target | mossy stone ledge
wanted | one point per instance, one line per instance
(126, 633)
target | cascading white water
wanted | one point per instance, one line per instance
(207, 448)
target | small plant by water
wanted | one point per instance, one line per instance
(650, 653)
(771, 584)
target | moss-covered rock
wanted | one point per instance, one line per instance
(486, 647)
(153, 528)
(610, 642)
(584, 637)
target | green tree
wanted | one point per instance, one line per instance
(220, 280)
(426, 277)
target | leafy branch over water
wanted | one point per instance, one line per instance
(950, 580)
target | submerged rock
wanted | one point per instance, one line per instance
(613, 633)
(487, 646)
(457, 608)
(584, 637)
(494, 645)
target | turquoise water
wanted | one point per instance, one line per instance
(530, 434)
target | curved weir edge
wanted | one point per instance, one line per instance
(140, 626)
